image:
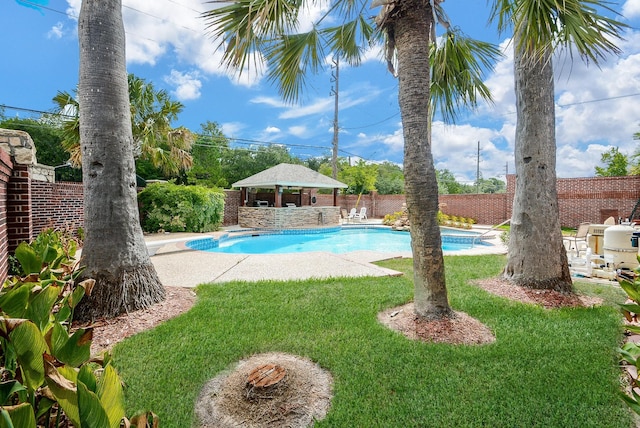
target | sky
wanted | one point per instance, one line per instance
(168, 44)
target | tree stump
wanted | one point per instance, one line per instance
(265, 381)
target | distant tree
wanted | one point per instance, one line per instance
(272, 155)
(152, 112)
(491, 185)
(207, 153)
(49, 150)
(241, 163)
(361, 177)
(447, 183)
(316, 162)
(616, 164)
(390, 180)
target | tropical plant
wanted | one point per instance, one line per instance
(630, 351)
(152, 112)
(114, 252)
(537, 257)
(449, 72)
(48, 375)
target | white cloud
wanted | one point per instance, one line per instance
(272, 130)
(57, 31)
(631, 9)
(298, 131)
(187, 85)
(231, 129)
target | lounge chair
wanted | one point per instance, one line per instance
(362, 214)
(352, 215)
(578, 240)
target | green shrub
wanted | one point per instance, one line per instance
(174, 208)
(47, 375)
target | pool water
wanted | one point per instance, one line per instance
(338, 242)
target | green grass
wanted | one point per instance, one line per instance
(548, 368)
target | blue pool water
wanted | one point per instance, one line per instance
(336, 241)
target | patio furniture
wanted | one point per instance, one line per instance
(352, 215)
(362, 214)
(578, 240)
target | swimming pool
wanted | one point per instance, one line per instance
(336, 240)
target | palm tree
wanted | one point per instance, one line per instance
(114, 251)
(537, 257)
(267, 27)
(152, 112)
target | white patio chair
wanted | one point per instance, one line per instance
(362, 214)
(352, 215)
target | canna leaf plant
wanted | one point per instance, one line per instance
(47, 375)
(630, 351)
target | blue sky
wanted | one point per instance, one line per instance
(596, 108)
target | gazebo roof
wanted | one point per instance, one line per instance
(289, 175)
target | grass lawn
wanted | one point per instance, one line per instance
(548, 368)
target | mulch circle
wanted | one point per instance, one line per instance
(265, 391)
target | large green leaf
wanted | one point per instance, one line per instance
(631, 307)
(21, 416)
(29, 260)
(92, 414)
(631, 289)
(111, 396)
(14, 302)
(30, 346)
(64, 391)
(7, 389)
(72, 350)
(41, 306)
(5, 419)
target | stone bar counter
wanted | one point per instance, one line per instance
(288, 217)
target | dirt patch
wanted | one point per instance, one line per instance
(549, 299)
(461, 329)
(302, 397)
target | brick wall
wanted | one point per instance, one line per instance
(57, 205)
(19, 225)
(6, 166)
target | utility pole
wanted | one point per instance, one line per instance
(478, 171)
(335, 76)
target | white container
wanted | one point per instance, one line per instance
(617, 244)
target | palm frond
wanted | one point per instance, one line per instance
(502, 12)
(574, 24)
(347, 40)
(290, 58)
(457, 70)
(243, 25)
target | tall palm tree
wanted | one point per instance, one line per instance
(152, 112)
(537, 257)
(114, 251)
(249, 28)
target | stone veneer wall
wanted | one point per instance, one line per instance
(288, 218)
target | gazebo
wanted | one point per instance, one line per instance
(278, 209)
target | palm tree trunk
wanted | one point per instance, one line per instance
(411, 31)
(114, 251)
(537, 257)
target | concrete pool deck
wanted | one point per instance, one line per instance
(182, 267)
